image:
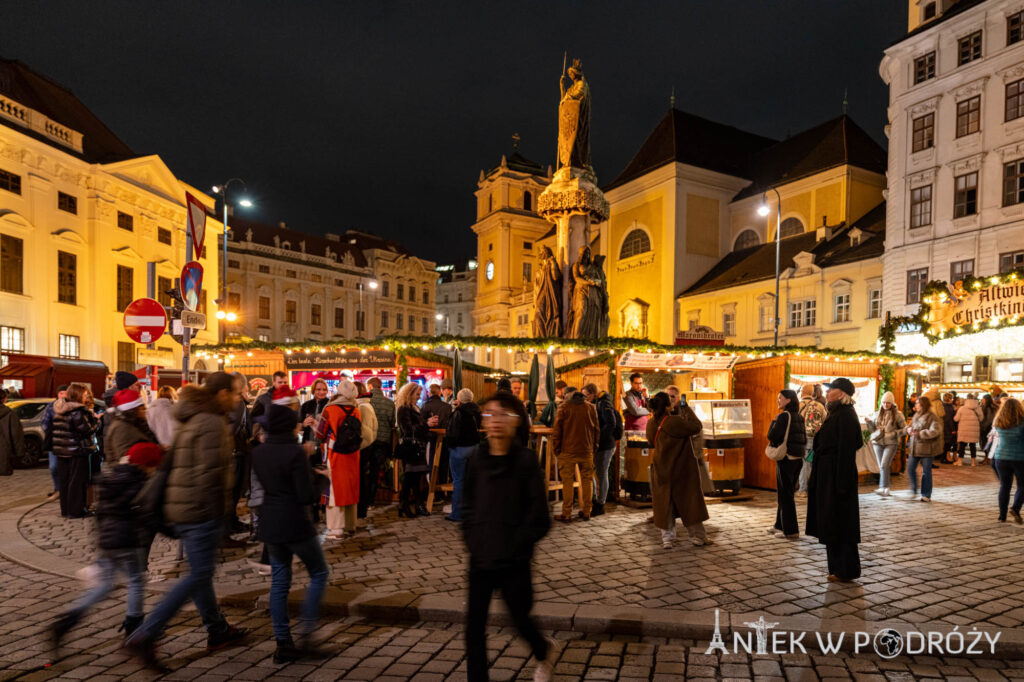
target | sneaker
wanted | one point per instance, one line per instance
(54, 496)
(958, 463)
(666, 544)
(772, 530)
(883, 492)
(545, 669)
(792, 536)
(286, 652)
(878, 491)
(800, 494)
(229, 635)
(925, 499)
(974, 462)
(698, 542)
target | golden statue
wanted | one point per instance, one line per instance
(574, 119)
(547, 318)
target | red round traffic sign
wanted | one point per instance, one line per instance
(145, 320)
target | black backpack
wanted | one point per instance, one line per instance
(619, 429)
(350, 432)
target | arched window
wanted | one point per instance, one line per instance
(635, 243)
(792, 227)
(745, 240)
(527, 201)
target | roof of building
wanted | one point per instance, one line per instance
(757, 263)
(315, 244)
(368, 241)
(36, 91)
(519, 163)
(833, 143)
(682, 137)
(958, 7)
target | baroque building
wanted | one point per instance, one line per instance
(456, 291)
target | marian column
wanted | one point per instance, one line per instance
(572, 202)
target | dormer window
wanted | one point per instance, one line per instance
(929, 11)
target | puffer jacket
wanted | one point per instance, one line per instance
(368, 418)
(968, 419)
(796, 442)
(889, 424)
(122, 431)
(576, 431)
(161, 421)
(606, 421)
(74, 429)
(464, 426)
(928, 441)
(118, 525)
(201, 478)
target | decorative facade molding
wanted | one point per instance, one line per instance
(970, 89)
(967, 164)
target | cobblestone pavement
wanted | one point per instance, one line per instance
(948, 561)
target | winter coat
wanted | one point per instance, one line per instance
(833, 512)
(948, 424)
(369, 421)
(968, 418)
(675, 479)
(504, 507)
(117, 523)
(311, 408)
(928, 441)
(605, 421)
(576, 431)
(384, 409)
(74, 429)
(889, 425)
(202, 473)
(12, 441)
(796, 444)
(281, 467)
(547, 415)
(413, 425)
(813, 414)
(1010, 444)
(436, 406)
(124, 430)
(464, 426)
(160, 416)
(988, 415)
(636, 412)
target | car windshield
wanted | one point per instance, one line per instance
(26, 411)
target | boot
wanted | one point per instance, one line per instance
(61, 627)
(421, 509)
(286, 652)
(130, 625)
(406, 510)
(597, 509)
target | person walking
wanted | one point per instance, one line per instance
(812, 410)
(949, 437)
(505, 514)
(126, 425)
(833, 514)
(463, 437)
(988, 415)
(369, 430)
(47, 426)
(414, 434)
(309, 414)
(197, 500)
(636, 412)
(12, 438)
(123, 541)
(968, 433)
(607, 423)
(574, 440)
(342, 432)
(373, 458)
(240, 424)
(788, 427)
(923, 446)
(160, 415)
(885, 440)
(1008, 456)
(675, 479)
(286, 527)
(74, 443)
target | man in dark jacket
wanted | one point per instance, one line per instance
(574, 441)
(463, 436)
(833, 512)
(606, 443)
(12, 438)
(436, 406)
(241, 436)
(505, 513)
(197, 500)
(47, 425)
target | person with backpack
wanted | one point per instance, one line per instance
(342, 431)
(788, 428)
(812, 410)
(123, 540)
(610, 425)
(463, 436)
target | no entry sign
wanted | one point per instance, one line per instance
(144, 320)
(191, 284)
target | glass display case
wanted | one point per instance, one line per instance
(724, 419)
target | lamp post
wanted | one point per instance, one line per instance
(373, 286)
(222, 302)
(762, 211)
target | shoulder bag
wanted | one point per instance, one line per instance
(148, 505)
(777, 453)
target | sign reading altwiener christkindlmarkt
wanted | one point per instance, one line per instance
(991, 305)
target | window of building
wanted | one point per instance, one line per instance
(67, 278)
(384, 319)
(929, 11)
(339, 318)
(1013, 182)
(458, 318)
(314, 314)
(1012, 260)
(291, 311)
(202, 254)
(412, 323)
(1008, 370)
(924, 68)
(1014, 28)
(968, 116)
(163, 235)
(527, 272)
(924, 132)
(265, 269)
(125, 287)
(360, 321)
(841, 308)
(803, 313)
(12, 264)
(766, 317)
(289, 339)
(69, 346)
(874, 303)
(412, 294)
(527, 246)
(10, 182)
(921, 206)
(527, 201)
(745, 240)
(423, 326)
(125, 356)
(960, 269)
(729, 323)
(791, 227)
(125, 222)
(234, 264)
(398, 321)
(264, 307)
(426, 297)
(635, 243)
(163, 284)
(959, 370)
(1014, 100)
(916, 281)
(12, 340)
(968, 49)
(385, 288)
(66, 202)
(263, 338)
(316, 278)
(291, 274)
(965, 196)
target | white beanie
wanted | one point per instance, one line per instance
(888, 397)
(347, 391)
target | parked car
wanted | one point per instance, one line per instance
(30, 412)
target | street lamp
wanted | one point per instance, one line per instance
(373, 285)
(222, 190)
(446, 319)
(762, 211)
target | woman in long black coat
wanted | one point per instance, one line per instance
(833, 511)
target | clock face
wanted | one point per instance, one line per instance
(489, 271)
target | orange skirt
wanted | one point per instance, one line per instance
(344, 479)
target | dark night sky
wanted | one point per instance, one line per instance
(379, 115)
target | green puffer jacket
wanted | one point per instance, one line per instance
(201, 478)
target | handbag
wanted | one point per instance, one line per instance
(410, 452)
(148, 504)
(777, 453)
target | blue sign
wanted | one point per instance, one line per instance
(191, 284)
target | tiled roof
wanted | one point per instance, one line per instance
(35, 91)
(521, 164)
(316, 244)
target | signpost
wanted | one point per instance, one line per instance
(191, 284)
(154, 357)
(193, 320)
(145, 320)
(196, 211)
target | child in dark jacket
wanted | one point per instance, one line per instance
(123, 539)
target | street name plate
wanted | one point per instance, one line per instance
(193, 320)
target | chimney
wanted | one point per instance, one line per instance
(824, 232)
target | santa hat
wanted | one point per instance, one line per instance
(284, 396)
(145, 454)
(127, 399)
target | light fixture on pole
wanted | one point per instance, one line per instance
(222, 191)
(762, 211)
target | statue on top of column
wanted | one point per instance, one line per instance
(574, 119)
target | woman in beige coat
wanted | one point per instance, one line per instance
(675, 479)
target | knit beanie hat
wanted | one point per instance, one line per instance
(347, 391)
(888, 397)
(123, 380)
(127, 400)
(145, 454)
(280, 418)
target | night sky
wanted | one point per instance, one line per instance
(380, 115)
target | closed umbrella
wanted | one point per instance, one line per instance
(457, 372)
(549, 379)
(532, 386)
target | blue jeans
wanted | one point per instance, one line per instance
(1007, 470)
(312, 555)
(128, 561)
(53, 471)
(926, 474)
(884, 455)
(457, 464)
(805, 475)
(200, 542)
(601, 461)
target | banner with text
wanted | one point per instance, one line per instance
(373, 359)
(675, 361)
(992, 302)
